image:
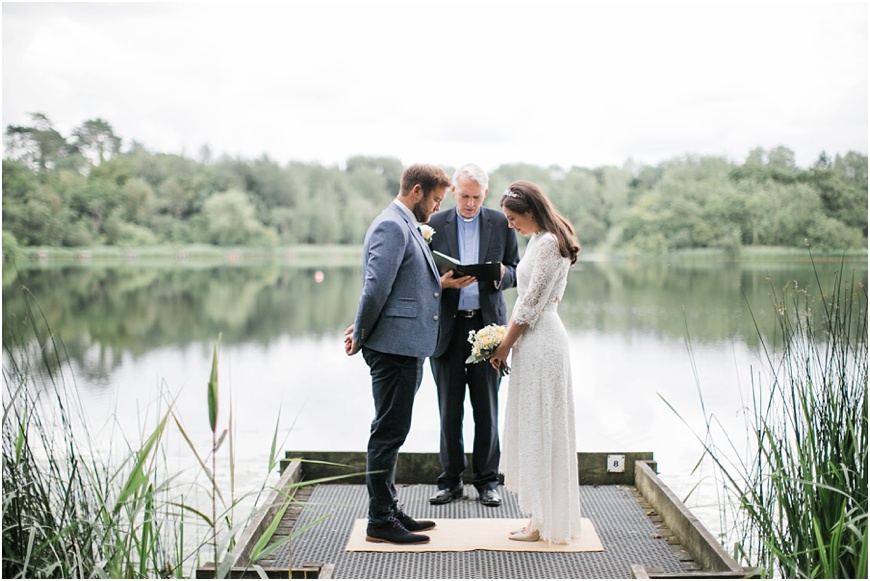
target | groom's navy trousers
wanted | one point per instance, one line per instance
(395, 381)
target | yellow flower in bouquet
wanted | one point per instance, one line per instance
(484, 342)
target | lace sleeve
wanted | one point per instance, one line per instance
(545, 270)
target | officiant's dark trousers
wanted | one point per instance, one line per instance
(451, 375)
(395, 381)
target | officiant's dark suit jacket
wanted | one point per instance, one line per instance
(498, 243)
(396, 326)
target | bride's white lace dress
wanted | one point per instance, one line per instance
(539, 455)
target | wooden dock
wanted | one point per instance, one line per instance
(646, 530)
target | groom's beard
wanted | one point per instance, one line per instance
(419, 211)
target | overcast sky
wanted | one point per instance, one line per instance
(567, 83)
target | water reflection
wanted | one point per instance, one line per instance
(134, 309)
(642, 334)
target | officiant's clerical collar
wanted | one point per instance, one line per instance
(467, 220)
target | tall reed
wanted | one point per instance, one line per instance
(71, 510)
(805, 498)
(800, 492)
(67, 511)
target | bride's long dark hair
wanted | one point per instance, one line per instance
(523, 196)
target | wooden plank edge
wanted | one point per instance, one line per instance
(241, 568)
(306, 572)
(642, 572)
(693, 535)
(290, 477)
(424, 467)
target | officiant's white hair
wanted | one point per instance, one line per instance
(474, 172)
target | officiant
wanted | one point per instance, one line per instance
(472, 234)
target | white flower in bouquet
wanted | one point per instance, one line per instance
(428, 232)
(484, 342)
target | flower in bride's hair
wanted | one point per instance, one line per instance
(428, 232)
(484, 342)
(510, 193)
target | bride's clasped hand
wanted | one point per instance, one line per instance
(484, 342)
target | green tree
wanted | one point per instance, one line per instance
(96, 141)
(43, 220)
(139, 201)
(85, 190)
(775, 164)
(95, 200)
(19, 185)
(39, 146)
(843, 189)
(616, 194)
(786, 213)
(389, 169)
(582, 203)
(506, 174)
(230, 219)
(689, 207)
(120, 232)
(271, 187)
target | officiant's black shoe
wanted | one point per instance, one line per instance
(394, 532)
(414, 526)
(490, 497)
(445, 495)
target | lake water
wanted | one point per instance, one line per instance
(645, 337)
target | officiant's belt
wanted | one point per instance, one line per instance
(467, 314)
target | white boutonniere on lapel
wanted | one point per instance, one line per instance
(428, 232)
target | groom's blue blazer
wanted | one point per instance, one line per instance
(400, 303)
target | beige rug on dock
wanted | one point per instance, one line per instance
(472, 534)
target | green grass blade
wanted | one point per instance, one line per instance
(138, 478)
(213, 390)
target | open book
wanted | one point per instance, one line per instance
(482, 272)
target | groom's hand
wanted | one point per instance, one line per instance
(351, 347)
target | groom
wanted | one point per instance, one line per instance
(396, 327)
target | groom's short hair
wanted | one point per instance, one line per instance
(428, 176)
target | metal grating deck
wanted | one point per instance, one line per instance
(628, 536)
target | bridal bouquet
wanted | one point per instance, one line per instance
(484, 342)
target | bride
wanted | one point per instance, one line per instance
(539, 456)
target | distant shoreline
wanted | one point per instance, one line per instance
(349, 255)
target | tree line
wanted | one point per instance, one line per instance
(85, 189)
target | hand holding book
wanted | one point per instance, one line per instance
(484, 272)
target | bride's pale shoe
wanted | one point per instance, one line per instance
(520, 535)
